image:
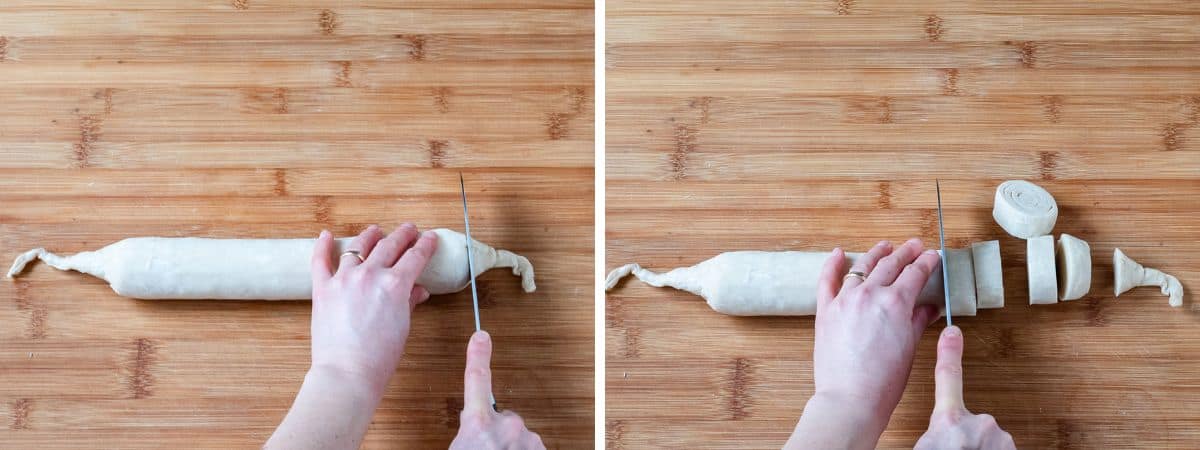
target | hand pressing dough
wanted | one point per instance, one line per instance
(1128, 274)
(1074, 267)
(1043, 281)
(1024, 209)
(254, 269)
(755, 283)
(989, 275)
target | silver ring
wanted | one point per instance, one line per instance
(356, 254)
(856, 274)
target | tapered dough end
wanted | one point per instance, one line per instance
(617, 274)
(1040, 263)
(1024, 209)
(989, 274)
(1074, 267)
(520, 267)
(1128, 274)
(24, 259)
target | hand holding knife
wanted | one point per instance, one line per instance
(471, 263)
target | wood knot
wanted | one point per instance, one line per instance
(1027, 53)
(453, 412)
(241, 4)
(614, 435)
(577, 99)
(633, 342)
(322, 210)
(89, 133)
(281, 185)
(950, 83)
(557, 125)
(437, 153)
(842, 8)
(416, 45)
(933, 28)
(885, 194)
(341, 77)
(1053, 107)
(20, 414)
(1047, 164)
(328, 21)
(737, 388)
(441, 99)
(3, 48)
(280, 95)
(703, 104)
(141, 380)
(1172, 138)
(685, 143)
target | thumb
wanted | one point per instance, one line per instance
(477, 395)
(417, 296)
(947, 375)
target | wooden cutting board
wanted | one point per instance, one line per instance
(263, 118)
(806, 125)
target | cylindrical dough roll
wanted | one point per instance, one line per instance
(989, 275)
(1024, 209)
(1043, 279)
(1074, 267)
(962, 282)
(254, 269)
(757, 283)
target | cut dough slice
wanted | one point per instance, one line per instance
(1024, 209)
(1074, 267)
(1043, 279)
(962, 282)
(989, 275)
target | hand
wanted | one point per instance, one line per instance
(866, 334)
(951, 426)
(481, 427)
(361, 313)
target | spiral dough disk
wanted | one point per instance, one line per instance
(1024, 209)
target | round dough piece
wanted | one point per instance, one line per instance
(1024, 209)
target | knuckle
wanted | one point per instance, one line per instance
(478, 372)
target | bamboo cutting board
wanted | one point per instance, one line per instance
(812, 124)
(263, 118)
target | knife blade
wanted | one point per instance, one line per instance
(471, 265)
(942, 238)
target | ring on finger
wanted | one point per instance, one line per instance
(855, 274)
(356, 254)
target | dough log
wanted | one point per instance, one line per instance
(756, 283)
(989, 275)
(253, 269)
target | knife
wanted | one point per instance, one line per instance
(942, 238)
(471, 263)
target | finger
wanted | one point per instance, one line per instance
(914, 276)
(413, 261)
(322, 261)
(866, 264)
(923, 315)
(889, 267)
(363, 243)
(830, 279)
(417, 296)
(948, 373)
(388, 250)
(533, 440)
(477, 393)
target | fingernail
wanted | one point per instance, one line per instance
(884, 243)
(931, 252)
(324, 234)
(407, 225)
(373, 227)
(481, 336)
(952, 330)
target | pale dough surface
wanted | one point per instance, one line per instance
(1043, 278)
(757, 283)
(989, 274)
(254, 269)
(1074, 267)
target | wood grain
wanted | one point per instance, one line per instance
(265, 118)
(812, 124)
